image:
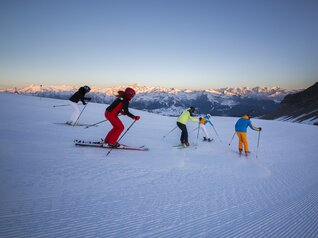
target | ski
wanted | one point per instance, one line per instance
(181, 146)
(242, 154)
(99, 144)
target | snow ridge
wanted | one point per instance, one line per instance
(171, 101)
(274, 93)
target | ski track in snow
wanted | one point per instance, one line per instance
(50, 188)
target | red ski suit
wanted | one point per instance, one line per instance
(120, 105)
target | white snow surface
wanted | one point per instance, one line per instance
(52, 188)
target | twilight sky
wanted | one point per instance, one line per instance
(195, 44)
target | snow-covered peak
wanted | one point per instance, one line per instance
(273, 93)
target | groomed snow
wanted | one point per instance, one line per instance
(51, 188)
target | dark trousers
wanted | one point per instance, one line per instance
(184, 132)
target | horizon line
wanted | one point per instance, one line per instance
(143, 86)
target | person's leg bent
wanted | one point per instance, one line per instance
(75, 113)
(115, 132)
(184, 132)
(205, 131)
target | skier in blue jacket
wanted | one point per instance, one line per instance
(241, 131)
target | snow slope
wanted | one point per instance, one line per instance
(50, 188)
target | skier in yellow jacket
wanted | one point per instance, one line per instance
(241, 130)
(181, 123)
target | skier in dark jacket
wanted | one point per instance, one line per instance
(74, 99)
(119, 106)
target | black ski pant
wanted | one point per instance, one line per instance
(184, 132)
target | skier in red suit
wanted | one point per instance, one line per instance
(119, 106)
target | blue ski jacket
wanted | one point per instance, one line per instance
(205, 120)
(242, 124)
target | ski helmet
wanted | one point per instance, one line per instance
(129, 93)
(192, 109)
(87, 89)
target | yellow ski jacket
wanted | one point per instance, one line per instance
(185, 117)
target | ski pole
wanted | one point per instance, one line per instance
(80, 114)
(41, 92)
(217, 133)
(232, 138)
(63, 105)
(95, 124)
(198, 134)
(259, 135)
(170, 132)
(122, 136)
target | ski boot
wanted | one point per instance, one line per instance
(116, 145)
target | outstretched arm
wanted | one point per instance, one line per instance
(194, 119)
(210, 122)
(254, 127)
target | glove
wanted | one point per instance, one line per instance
(88, 99)
(260, 128)
(84, 103)
(136, 118)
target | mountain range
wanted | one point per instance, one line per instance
(298, 107)
(171, 101)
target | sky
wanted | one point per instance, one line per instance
(194, 44)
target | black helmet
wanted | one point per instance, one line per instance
(191, 109)
(87, 89)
